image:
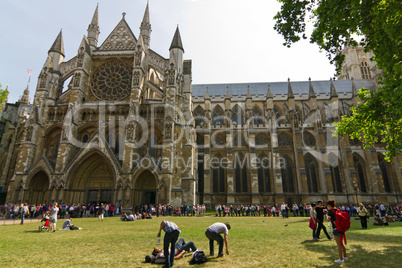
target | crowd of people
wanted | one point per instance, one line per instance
(24, 210)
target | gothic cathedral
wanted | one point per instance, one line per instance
(118, 123)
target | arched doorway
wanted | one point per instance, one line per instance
(145, 189)
(93, 182)
(38, 189)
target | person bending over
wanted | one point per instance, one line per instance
(213, 233)
(172, 233)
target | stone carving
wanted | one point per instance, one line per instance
(77, 78)
(138, 56)
(171, 74)
(29, 133)
(120, 39)
(42, 78)
(80, 57)
(136, 78)
(168, 131)
(130, 132)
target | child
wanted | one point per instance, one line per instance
(47, 223)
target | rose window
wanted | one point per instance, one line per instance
(112, 81)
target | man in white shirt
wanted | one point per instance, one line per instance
(213, 233)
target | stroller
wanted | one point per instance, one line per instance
(46, 225)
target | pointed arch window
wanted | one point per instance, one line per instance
(56, 151)
(263, 168)
(199, 116)
(257, 116)
(386, 171)
(237, 116)
(308, 139)
(217, 117)
(117, 144)
(261, 140)
(85, 138)
(335, 173)
(284, 140)
(359, 167)
(311, 173)
(365, 70)
(239, 140)
(218, 175)
(240, 173)
(287, 175)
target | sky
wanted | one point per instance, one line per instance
(228, 41)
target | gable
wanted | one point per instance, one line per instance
(121, 38)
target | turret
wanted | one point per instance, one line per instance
(176, 51)
(145, 28)
(56, 52)
(93, 30)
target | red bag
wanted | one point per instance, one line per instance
(342, 223)
(312, 223)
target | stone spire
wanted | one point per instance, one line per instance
(56, 52)
(58, 45)
(333, 92)
(25, 97)
(290, 90)
(145, 28)
(248, 93)
(93, 29)
(207, 96)
(227, 96)
(311, 92)
(354, 88)
(176, 42)
(269, 94)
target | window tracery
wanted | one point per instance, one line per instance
(112, 81)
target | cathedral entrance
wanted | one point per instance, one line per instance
(145, 189)
(38, 189)
(93, 182)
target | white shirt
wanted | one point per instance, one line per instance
(219, 228)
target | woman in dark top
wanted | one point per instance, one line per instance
(341, 247)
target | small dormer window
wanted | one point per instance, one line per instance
(365, 70)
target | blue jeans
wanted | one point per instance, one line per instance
(170, 239)
(22, 217)
(217, 237)
(182, 245)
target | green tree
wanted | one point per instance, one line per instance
(3, 95)
(375, 25)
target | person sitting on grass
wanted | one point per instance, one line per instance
(378, 221)
(131, 217)
(68, 225)
(123, 216)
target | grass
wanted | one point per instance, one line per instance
(253, 242)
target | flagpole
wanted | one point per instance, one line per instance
(29, 79)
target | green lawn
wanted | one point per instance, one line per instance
(253, 242)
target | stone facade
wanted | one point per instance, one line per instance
(119, 123)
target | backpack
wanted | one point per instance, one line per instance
(198, 257)
(342, 223)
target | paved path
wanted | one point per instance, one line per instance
(8, 222)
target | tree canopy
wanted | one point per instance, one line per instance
(376, 26)
(3, 95)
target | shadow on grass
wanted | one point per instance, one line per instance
(363, 250)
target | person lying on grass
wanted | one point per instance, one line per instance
(180, 249)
